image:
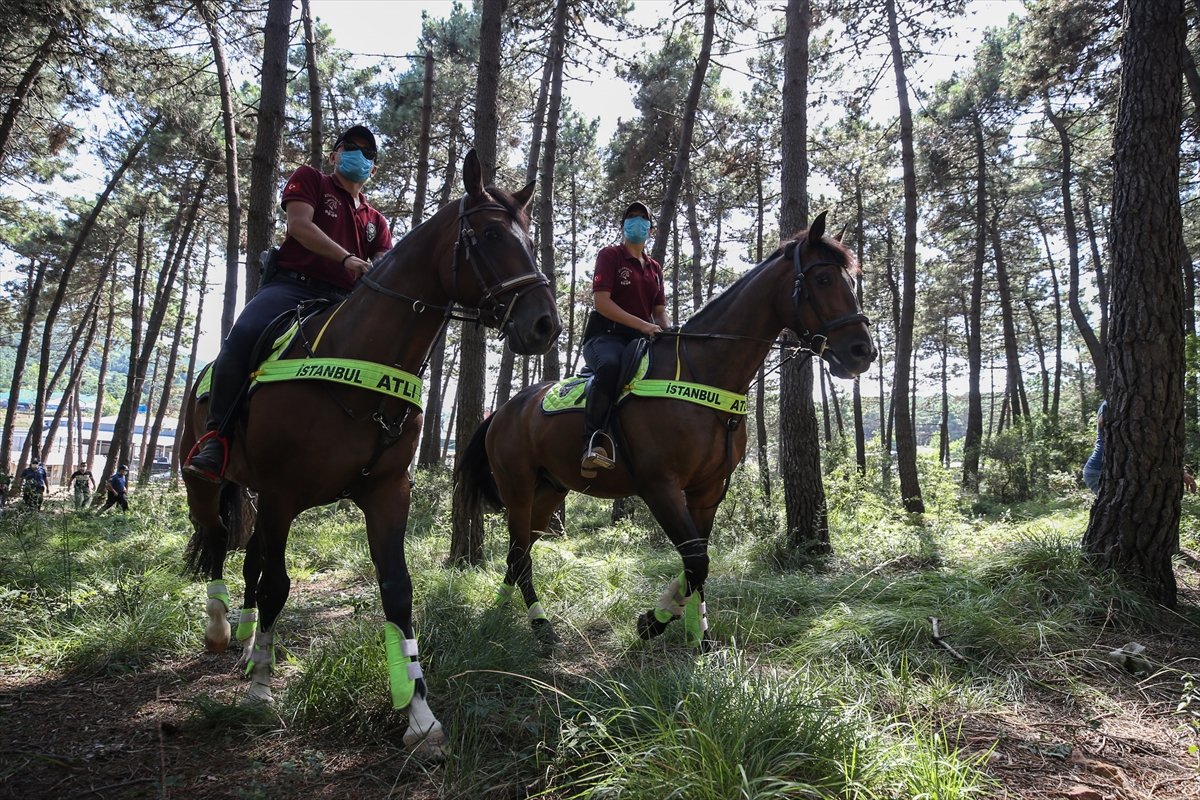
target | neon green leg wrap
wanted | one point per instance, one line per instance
(217, 591)
(536, 612)
(695, 620)
(402, 672)
(504, 594)
(247, 623)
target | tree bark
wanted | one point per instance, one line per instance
(21, 91)
(551, 366)
(687, 124)
(1094, 345)
(1015, 385)
(906, 443)
(268, 137)
(37, 275)
(1134, 525)
(68, 268)
(807, 515)
(973, 434)
(466, 540)
(316, 131)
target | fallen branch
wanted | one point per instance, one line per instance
(937, 638)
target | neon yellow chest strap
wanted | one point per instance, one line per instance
(351, 372)
(698, 393)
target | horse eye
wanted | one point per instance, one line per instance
(492, 234)
(824, 280)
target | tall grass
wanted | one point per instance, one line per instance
(829, 682)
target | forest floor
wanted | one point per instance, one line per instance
(1111, 734)
(138, 736)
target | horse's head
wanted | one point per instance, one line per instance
(501, 278)
(824, 308)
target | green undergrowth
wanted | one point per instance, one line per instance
(828, 680)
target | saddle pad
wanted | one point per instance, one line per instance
(569, 394)
(281, 343)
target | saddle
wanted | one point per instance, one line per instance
(274, 341)
(570, 394)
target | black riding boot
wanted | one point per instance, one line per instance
(598, 448)
(209, 459)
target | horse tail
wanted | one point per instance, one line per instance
(474, 484)
(210, 542)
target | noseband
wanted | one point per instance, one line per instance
(494, 286)
(816, 341)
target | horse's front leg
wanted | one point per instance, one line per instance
(271, 532)
(688, 529)
(206, 557)
(386, 510)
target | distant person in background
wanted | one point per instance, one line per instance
(118, 485)
(33, 482)
(82, 484)
(1095, 462)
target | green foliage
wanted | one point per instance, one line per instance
(1037, 458)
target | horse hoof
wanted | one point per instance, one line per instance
(216, 637)
(648, 626)
(429, 746)
(259, 693)
(545, 633)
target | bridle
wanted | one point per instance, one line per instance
(490, 309)
(818, 340)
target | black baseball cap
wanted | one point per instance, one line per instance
(637, 209)
(361, 131)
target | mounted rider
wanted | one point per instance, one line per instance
(627, 291)
(333, 234)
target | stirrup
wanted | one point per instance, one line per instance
(203, 474)
(596, 457)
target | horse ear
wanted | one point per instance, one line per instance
(525, 195)
(817, 229)
(472, 174)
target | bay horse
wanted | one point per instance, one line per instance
(306, 443)
(678, 455)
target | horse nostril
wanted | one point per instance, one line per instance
(863, 351)
(546, 327)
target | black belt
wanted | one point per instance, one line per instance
(308, 280)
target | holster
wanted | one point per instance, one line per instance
(597, 324)
(268, 261)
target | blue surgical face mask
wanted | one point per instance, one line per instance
(636, 229)
(354, 166)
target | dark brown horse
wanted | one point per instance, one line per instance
(306, 443)
(676, 455)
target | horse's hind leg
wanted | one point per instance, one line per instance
(252, 568)
(271, 531)
(206, 556)
(525, 525)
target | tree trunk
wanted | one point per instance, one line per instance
(860, 437)
(37, 274)
(1094, 345)
(687, 124)
(906, 443)
(418, 214)
(1134, 525)
(807, 529)
(102, 377)
(431, 424)
(1097, 264)
(315, 128)
(268, 137)
(552, 368)
(168, 379)
(68, 268)
(466, 539)
(233, 192)
(21, 91)
(973, 434)
(689, 199)
(1015, 385)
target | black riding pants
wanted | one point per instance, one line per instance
(232, 366)
(602, 353)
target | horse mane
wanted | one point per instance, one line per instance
(786, 249)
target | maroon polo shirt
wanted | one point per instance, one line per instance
(635, 288)
(363, 231)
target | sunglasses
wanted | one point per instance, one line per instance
(368, 152)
